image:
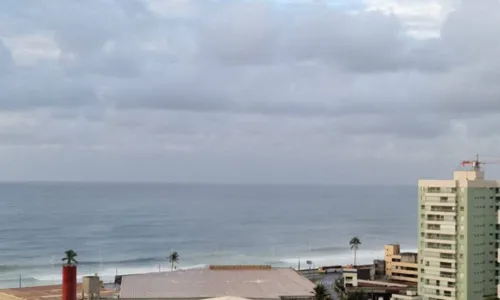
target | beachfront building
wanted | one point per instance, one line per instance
(457, 237)
(400, 266)
(253, 282)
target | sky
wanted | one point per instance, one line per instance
(220, 91)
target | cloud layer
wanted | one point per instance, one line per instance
(295, 91)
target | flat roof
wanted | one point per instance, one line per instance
(212, 283)
(47, 292)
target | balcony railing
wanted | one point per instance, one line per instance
(446, 266)
(442, 209)
(437, 189)
(444, 247)
(440, 237)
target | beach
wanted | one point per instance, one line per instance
(131, 228)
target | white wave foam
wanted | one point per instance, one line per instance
(362, 257)
(108, 274)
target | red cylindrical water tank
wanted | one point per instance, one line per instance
(69, 282)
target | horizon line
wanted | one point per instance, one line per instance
(199, 183)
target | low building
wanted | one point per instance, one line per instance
(353, 273)
(400, 266)
(382, 290)
(350, 277)
(410, 295)
(379, 268)
(252, 282)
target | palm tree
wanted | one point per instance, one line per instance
(354, 243)
(321, 293)
(173, 258)
(69, 259)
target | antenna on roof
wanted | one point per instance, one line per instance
(477, 163)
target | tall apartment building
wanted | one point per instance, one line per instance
(457, 237)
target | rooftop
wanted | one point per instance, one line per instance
(49, 292)
(380, 286)
(265, 283)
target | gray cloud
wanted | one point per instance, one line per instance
(5, 59)
(258, 83)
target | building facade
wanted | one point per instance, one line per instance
(400, 266)
(350, 277)
(457, 236)
(410, 295)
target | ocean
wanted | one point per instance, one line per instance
(131, 228)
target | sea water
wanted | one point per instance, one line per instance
(131, 228)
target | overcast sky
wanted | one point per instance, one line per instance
(288, 91)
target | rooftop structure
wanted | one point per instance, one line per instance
(379, 289)
(253, 282)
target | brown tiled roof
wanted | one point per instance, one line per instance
(206, 283)
(49, 292)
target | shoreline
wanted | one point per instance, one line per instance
(108, 279)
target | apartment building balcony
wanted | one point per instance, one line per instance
(441, 296)
(428, 240)
(441, 237)
(442, 196)
(441, 222)
(437, 268)
(412, 271)
(438, 230)
(439, 208)
(433, 216)
(442, 203)
(405, 278)
(440, 248)
(439, 227)
(440, 259)
(439, 276)
(439, 213)
(440, 190)
(441, 287)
